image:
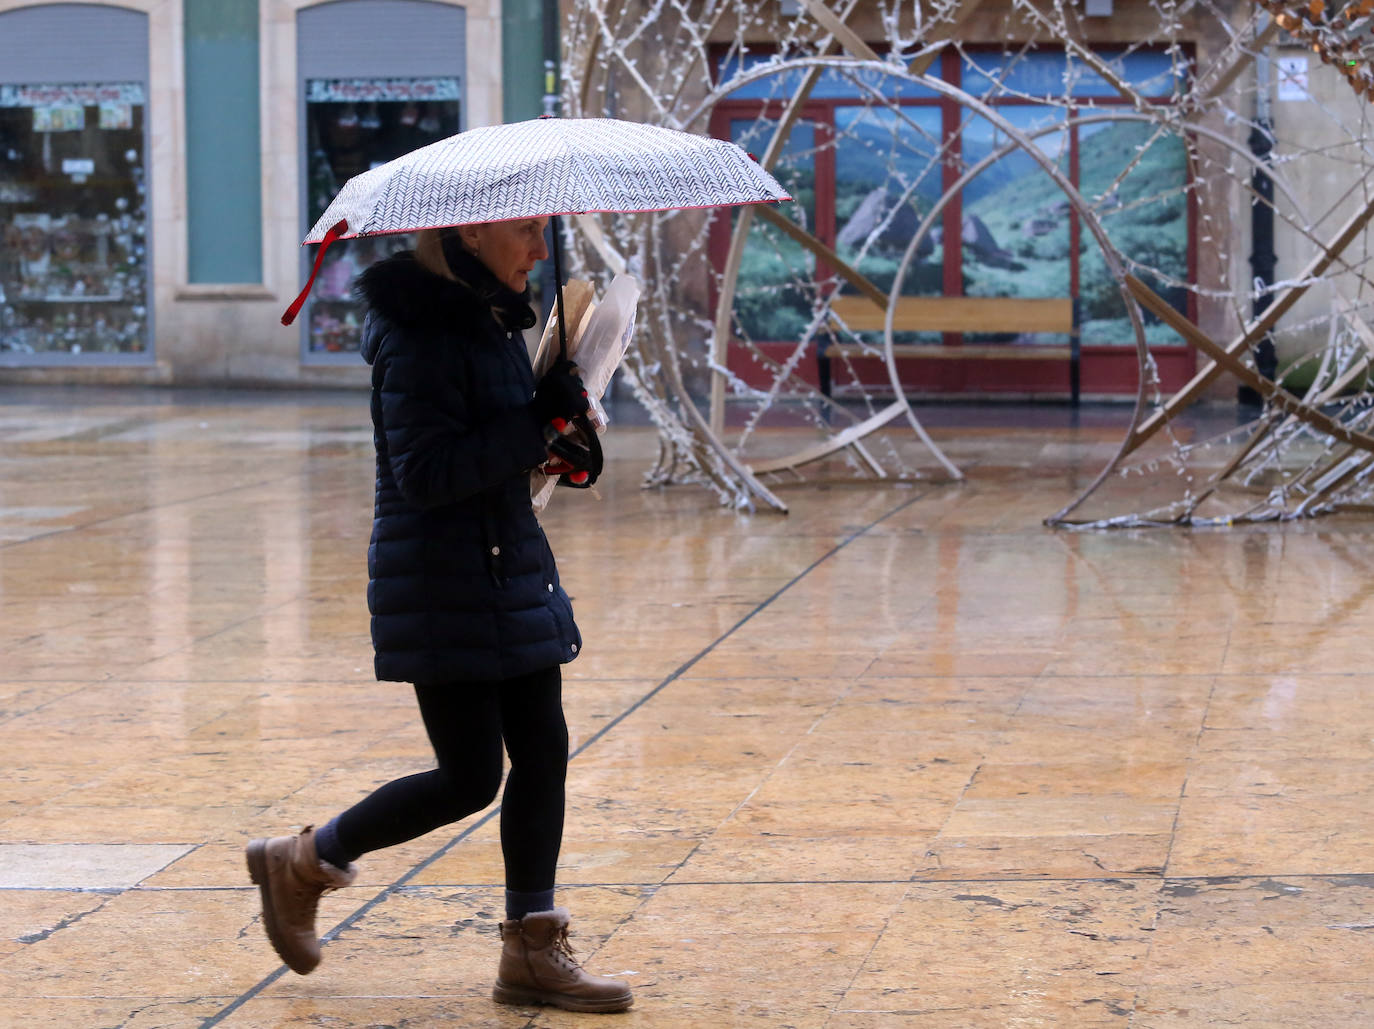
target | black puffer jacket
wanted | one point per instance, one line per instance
(463, 584)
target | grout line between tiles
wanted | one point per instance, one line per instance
(387, 891)
(669, 884)
(1188, 773)
(673, 884)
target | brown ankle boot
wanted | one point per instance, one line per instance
(291, 879)
(537, 967)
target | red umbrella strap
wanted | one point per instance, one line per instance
(335, 231)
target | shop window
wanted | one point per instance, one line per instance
(73, 220)
(353, 125)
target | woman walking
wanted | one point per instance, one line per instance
(465, 599)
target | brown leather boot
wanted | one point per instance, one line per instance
(537, 967)
(291, 879)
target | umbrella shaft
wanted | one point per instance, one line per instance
(558, 284)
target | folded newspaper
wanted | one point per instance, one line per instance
(599, 333)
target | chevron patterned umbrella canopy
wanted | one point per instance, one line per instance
(547, 166)
(544, 167)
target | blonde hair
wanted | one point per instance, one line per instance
(429, 251)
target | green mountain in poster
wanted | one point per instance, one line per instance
(1027, 216)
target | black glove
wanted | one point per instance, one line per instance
(576, 458)
(560, 394)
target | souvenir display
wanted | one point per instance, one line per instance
(73, 224)
(353, 125)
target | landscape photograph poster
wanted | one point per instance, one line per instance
(1016, 228)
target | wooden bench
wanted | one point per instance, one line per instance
(962, 315)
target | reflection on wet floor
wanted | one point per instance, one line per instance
(903, 757)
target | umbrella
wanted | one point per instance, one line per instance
(544, 167)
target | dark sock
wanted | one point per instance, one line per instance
(519, 904)
(328, 848)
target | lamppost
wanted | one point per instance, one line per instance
(547, 287)
(1262, 256)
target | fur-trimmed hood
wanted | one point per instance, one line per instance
(405, 293)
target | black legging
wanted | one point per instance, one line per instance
(466, 723)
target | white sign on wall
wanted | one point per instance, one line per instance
(1293, 78)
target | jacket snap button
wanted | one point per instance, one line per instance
(574, 647)
(495, 551)
(550, 587)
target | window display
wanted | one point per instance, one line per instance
(73, 220)
(353, 125)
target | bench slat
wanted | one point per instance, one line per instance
(934, 351)
(959, 314)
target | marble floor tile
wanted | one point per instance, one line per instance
(1269, 936)
(1040, 952)
(1329, 849)
(892, 784)
(30, 915)
(146, 1012)
(907, 752)
(1118, 855)
(1036, 1003)
(973, 715)
(130, 823)
(736, 979)
(475, 1011)
(1261, 955)
(1088, 816)
(620, 860)
(725, 662)
(1189, 653)
(1291, 1005)
(742, 749)
(82, 866)
(793, 817)
(1302, 702)
(733, 708)
(191, 943)
(1149, 780)
(754, 909)
(24, 698)
(1139, 742)
(953, 661)
(760, 858)
(1351, 741)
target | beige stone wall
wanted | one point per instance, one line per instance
(206, 334)
(1327, 189)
